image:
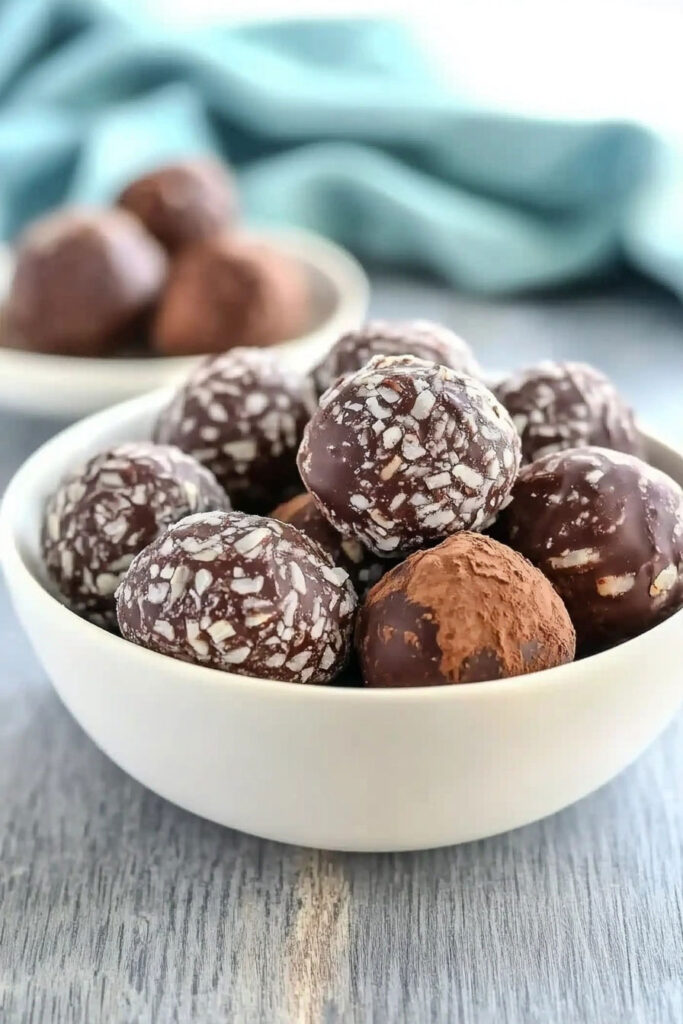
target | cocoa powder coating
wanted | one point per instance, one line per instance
(466, 611)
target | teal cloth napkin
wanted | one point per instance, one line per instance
(340, 126)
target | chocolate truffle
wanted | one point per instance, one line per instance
(243, 594)
(184, 202)
(404, 452)
(229, 291)
(567, 405)
(82, 280)
(421, 338)
(364, 568)
(102, 514)
(466, 611)
(242, 415)
(607, 530)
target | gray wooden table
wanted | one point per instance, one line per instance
(116, 906)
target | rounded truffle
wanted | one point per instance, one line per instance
(242, 415)
(567, 405)
(420, 338)
(103, 513)
(404, 452)
(364, 568)
(607, 530)
(83, 280)
(183, 202)
(228, 291)
(243, 594)
(467, 611)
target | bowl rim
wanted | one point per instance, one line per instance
(339, 267)
(16, 569)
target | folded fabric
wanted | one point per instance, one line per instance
(340, 126)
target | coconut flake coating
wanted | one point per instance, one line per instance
(364, 568)
(420, 338)
(242, 415)
(405, 452)
(607, 530)
(243, 594)
(467, 611)
(567, 405)
(109, 509)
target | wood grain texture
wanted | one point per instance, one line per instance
(117, 907)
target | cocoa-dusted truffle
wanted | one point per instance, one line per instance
(420, 338)
(243, 594)
(364, 568)
(242, 415)
(183, 202)
(228, 291)
(103, 513)
(466, 611)
(405, 452)
(567, 405)
(83, 279)
(607, 530)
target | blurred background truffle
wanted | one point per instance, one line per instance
(183, 202)
(82, 280)
(229, 291)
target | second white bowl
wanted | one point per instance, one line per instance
(68, 386)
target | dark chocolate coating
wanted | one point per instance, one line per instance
(607, 530)
(184, 202)
(242, 415)
(364, 568)
(404, 452)
(467, 611)
(420, 338)
(103, 513)
(82, 280)
(567, 405)
(230, 291)
(243, 594)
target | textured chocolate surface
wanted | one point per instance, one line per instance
(106, 511)
(242, 415)
(467, 611)
(228, 291)
(82, 280)
(607, 530)
(240, 593)
(364, 568)
(405, 452)
(184, 202)
(567, 405)
(420, 338)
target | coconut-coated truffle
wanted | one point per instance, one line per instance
(106, 511)
(183, 202)
(420, 338)
(230, 291)
(405, 452)
(467, 611)
(567, 405)
(240, 593)
(83, 280)
(607, 530)
(242, 415)
(364, 568)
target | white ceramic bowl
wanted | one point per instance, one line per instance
(68, 386)
(330, 767)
